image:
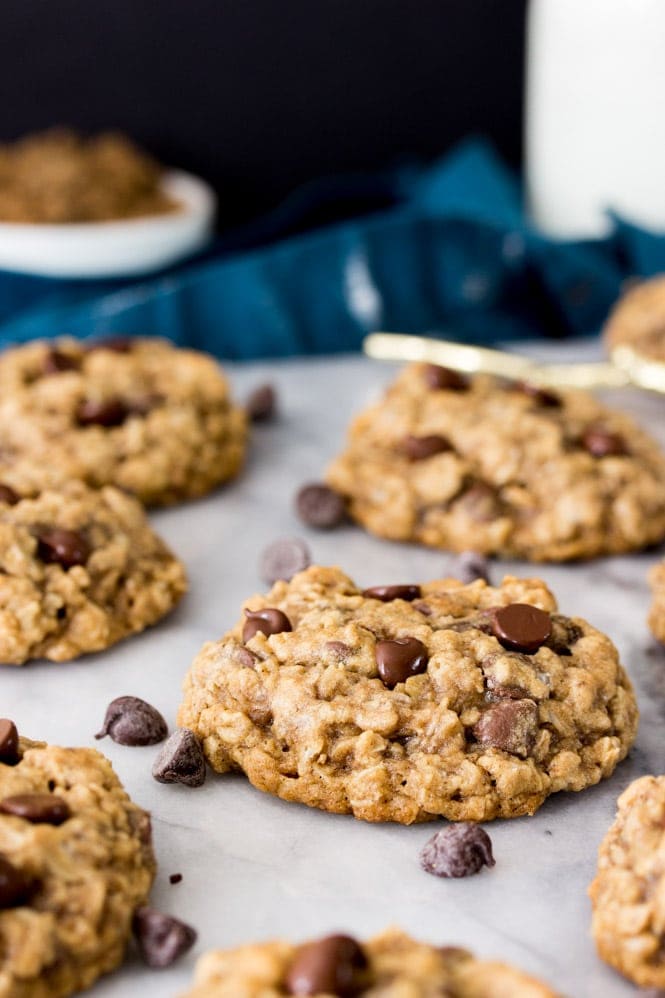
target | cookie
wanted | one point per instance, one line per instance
(405, 703)
(501, 468)
(390, 965)
(75, 862)
(657, 612)
(638, 320)
(79, 570)
(627, 893)
(140, 414)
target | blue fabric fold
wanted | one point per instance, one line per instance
(445, 249)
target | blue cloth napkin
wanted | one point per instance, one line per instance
(446, 249)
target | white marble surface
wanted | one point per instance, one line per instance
(254, 867)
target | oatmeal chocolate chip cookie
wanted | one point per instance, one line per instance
(388, 966)
(657, 612)
(465, 701)
(638, 319)
(628, 892)
(76, 861)
(141, 414)
(518, 471)
(79, 570)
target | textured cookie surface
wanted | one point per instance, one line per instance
(140, 414)
(638, 320)
(396, 967)
(657, 612)
(502, 469)
(87, 874)
(114, 578)
(482, 732)
(628, 893)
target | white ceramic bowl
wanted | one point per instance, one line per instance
(121, 248)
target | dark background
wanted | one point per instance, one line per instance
(260, 96)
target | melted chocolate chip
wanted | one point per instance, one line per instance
(268, 621)
(458, 850)
(9, 753)
(480, 502)
(511, 725)
(420, 448)
(319, 506)
(283, 559)
(15, 886)
(602, 443)
(260, 404)
(56, 361)
(8, 496)
(388, 593)
(181, 760)
(542, 396)
(39, 809)
(62, 547)
(338, 648)
(118, 344)
(399, 659)
(132, 721)
(442, 378)
(565, 633)
(101, 412)
(334, 965)
(161, 939)
(521, 627)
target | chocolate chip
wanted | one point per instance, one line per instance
(56, 361)
(268, 621)
(181, 760)
(338, 648)
(101, 412)
(283, 559)
(319, 506)
(62, 547)
(399, 659)
(260, 404)
(565, 633)
(480, 502)
(15, 886)
(442, 378)
(420, 448)
(141, 405)
(8, 742)
(542, 396)
(175, 878)
(388, 593)
(132, 721)
(458, 850)
(511, 725)
(334, 965)
(521, 627)
(8, 496)
(118, 344)
(470, 566)
(40, 809)
(602, 443)
(161, 939)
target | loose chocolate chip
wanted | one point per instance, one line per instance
(101, 412)
(8, 742)
(480, 502)
(511, 725)
(420, 448)
(437, 378)
(260, 404)
(319, 506)
(334, 965)
(521, 627)
(181, 760)
(458, 850)
(268, 621)
(388, 593)
(283, 559)
(542, 396)
(399, 659)
(8, 496)
(40, 809)
(603, 443)
(118, 344)
(471, 565)
(15, 886)
(132, 721)
(56, 361)
(161, 938)
(62, 547)
(175, 878)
